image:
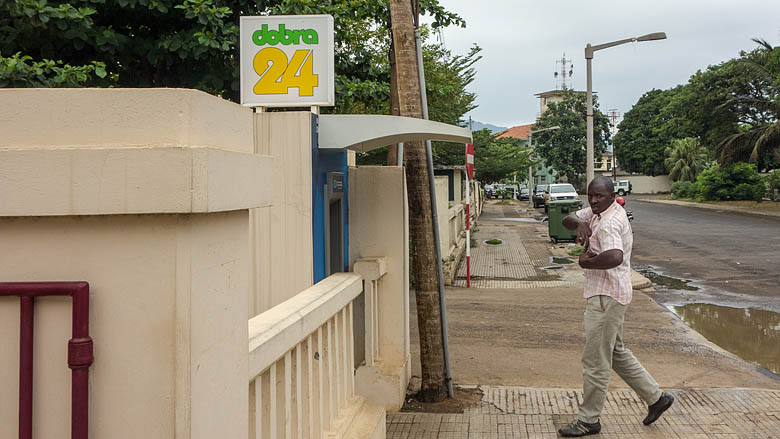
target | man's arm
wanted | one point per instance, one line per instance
(573, 222)
(602, 261)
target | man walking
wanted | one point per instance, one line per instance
(604, 231)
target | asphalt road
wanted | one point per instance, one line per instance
(734, 257)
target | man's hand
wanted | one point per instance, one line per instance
(583, 235)
(586, 257)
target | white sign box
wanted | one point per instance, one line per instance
(287, 61)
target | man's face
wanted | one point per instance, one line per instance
(599, 197)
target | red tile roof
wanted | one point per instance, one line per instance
(518, 132)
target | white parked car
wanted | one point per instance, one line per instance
(623, 187)
(560, 191)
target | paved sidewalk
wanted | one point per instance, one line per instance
(523, 412)
(524, 258)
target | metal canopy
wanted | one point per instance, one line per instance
(364, 132)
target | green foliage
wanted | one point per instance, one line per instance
(22, 71)
(446, 79)
(732, 108)
(496, 158)
(739, 181)
(639, 144)
(684, 189)
(685, 159)
(185, 43)
(757, 102)
(773, 185)
(564, 148)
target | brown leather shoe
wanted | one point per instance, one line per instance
(656, 410)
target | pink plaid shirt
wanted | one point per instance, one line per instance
(611, 230)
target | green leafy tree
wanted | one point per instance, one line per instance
(757, 102)
(639, 143)
(497, 158)
(185, 43)
(685, 159)
(732, 108)
(447, 77)
(564, 148)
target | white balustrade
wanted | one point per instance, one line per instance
(372, 270)
(301, 362)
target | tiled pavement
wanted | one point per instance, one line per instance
(520, 412)
(515, 263)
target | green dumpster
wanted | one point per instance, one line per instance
(556, 212)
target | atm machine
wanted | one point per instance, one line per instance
(334, 223)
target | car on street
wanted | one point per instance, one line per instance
(523, 194)
(623, 187)
(538, 196)
(490, 191)
(560, 191)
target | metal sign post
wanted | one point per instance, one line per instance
(469, 179)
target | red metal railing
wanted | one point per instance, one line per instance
(79, 350)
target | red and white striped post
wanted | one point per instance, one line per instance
(469, 178)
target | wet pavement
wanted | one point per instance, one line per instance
(531, 336)
(734, 258)
(752, 334)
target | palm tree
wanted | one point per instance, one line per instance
(426, 280)
(757, 139)
(685, 159)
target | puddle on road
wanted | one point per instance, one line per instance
(752, 334)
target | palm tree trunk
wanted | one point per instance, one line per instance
(434, 386)
(392, 150)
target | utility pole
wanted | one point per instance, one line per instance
(418, 184)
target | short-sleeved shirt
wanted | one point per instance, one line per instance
(610, 230)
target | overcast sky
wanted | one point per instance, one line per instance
(521, 41)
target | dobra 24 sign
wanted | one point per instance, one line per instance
(287, 60)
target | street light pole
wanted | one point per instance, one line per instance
(530, 168)
(589, 95)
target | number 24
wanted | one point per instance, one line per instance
(277, 75)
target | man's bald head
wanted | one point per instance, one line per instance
(601, 194)
(603, 183)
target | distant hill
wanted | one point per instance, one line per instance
(477, 125)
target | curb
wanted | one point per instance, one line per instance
(712, 207)
(639, 282)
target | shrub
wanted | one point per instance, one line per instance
(684, 189)
(773, 185)
(739, 181)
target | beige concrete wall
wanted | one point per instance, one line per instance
(459, 192)
(442, 207)
(169, 292)
(282, 233)
(645, 184)
(168, 297)
(378, 219)
(36, 118)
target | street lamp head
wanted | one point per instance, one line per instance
(652, 36)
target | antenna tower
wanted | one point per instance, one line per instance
(613, 116)
(563, 69)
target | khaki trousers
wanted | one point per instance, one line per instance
(604, 352)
